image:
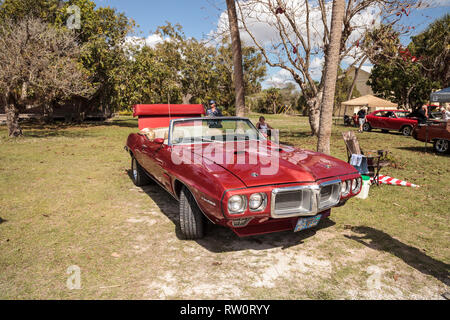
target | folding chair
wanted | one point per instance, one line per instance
(375, 159)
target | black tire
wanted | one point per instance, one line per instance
(138, 174)
(367, 127)
(440, 146)
(406, 131)
(192, 222)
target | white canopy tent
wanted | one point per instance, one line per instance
(368, 101)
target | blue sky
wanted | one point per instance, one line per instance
(199, 17)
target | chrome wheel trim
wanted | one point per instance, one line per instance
(441, 145)
(366, 126)
(135, 173)
(406, 131)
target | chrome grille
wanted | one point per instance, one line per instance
(304, 200)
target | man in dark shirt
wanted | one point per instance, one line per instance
(422, 114)
(361, 118)
(213, 112)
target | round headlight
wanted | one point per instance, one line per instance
(256, 201)
(236, 204)
(345, 188)
(356, 185)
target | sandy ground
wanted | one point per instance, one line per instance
(323, 263)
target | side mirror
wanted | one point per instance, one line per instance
(158, 140)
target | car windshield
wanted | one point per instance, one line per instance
(401, 114)
(213, 129)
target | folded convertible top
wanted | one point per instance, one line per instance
(159, 115)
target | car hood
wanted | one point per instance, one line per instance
(256, 165)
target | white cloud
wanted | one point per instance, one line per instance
(434, 4)
(151, 41)
(263, 25)
(278, 80)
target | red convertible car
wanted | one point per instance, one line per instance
(436, 132)
(223, 170)
(387, 120)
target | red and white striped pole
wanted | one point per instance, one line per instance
(393, 181)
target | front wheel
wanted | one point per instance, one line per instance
(137, 174)
(441, 146)
(406, 130)
(191, 218)
(367, 127)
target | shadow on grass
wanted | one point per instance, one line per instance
(2, 220)
(294, 134)
(221, 239)
(381, 241)
(36, 129)
(429, 149)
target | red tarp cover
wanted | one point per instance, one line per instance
(159, 115)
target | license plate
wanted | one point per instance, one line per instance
(306, 223)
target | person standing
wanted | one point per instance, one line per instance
(264, 127)
(423, 114)
(445, 113)
(213, 111)
(361, 118)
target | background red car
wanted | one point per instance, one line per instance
(386, 120)
(436, 132)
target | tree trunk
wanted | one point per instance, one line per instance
(187, 98)
(314, 113)
(237, 59)
(12, 119)
(330, 76)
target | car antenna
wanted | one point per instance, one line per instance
(168, 100)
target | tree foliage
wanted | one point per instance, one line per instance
(38, 65)
(407, 75)
(186, 70)
(121, 74)
(300, 34)
(432, 46)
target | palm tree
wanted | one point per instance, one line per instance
(331, 65)
(237, 58)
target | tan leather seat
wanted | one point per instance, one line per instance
(155, 133)
(149, 133)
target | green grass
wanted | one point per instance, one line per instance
(66, 199)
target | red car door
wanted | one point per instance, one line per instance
(390, 121)
(148, 150)
(398, 120)
(161, 160)
(375, 119)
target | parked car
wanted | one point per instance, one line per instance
(387, 120)
(225, 171)
(436, 132)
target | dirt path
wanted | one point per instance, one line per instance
(327, 262)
